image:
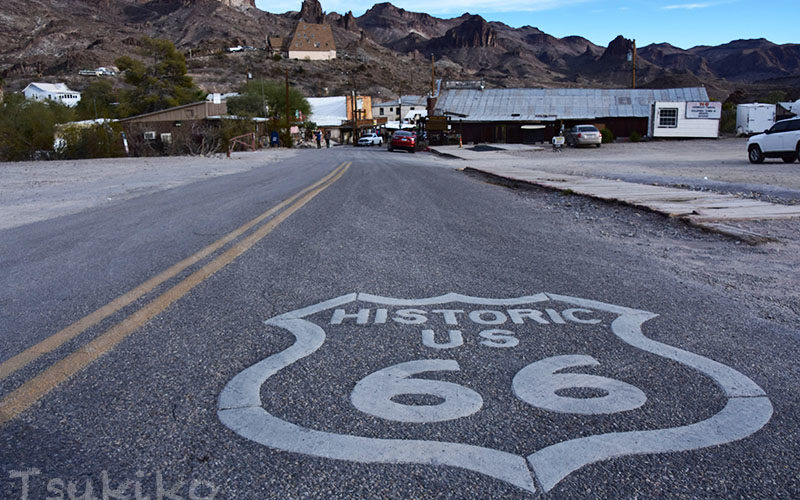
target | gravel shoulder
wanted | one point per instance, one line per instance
(718, 165)
(40, 190)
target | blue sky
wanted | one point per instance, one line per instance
(683, 23)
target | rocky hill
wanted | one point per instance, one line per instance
(385, 51)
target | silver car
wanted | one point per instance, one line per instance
(582, 135)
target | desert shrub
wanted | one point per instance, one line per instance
(27, 127)
(608, 136)
(96, 141)
(635, 137)
(728, 122)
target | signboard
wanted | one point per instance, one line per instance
(704, 110)
(525, 390)
(437, 123)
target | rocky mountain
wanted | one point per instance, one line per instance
(386, 50)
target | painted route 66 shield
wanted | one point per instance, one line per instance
(524, 390)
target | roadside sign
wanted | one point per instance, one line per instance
(436, 123)
(706, 110)
(524, 390)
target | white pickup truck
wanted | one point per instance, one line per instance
(370, 139)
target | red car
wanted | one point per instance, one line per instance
(402, 139)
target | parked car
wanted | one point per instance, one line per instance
(370, 139)
(782, 140)
(583, 135)
(403, 139)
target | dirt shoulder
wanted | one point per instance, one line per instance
(34, 191)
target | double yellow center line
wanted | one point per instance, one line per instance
(34, 389)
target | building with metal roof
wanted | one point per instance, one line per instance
(497, 115)
(312, 41)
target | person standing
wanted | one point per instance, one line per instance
(318, 136)
(327, 138)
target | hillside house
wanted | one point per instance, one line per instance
(313, 42)
(278, 45)
(58, 92)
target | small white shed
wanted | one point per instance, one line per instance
(52, 91)
(685, 119)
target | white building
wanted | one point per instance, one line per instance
(685, 119)
(328, 111)
(58, 92)
(397, 110)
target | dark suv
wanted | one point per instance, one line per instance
(782, 140)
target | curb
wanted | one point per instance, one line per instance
(749, 237)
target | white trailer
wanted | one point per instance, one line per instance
(685, 119)
(754, 118)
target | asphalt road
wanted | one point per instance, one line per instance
(399, 330)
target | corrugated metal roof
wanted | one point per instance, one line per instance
(407, 100)
(562, 104)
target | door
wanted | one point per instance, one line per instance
(774, 140)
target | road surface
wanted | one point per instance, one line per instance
(357, 324)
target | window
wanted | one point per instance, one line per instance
(668, 117)
(391, 109)
(780, 127)
(412, 108)
(166, 138)
(381, 111)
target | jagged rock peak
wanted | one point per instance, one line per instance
(311, 12)
(618, 48)
(349, 21)
(474, 32)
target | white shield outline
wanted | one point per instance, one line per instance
(747, 410)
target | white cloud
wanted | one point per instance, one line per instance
(689, 6)
(440, 8)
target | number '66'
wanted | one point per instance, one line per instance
(537, 384)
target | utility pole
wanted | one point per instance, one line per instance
(433, 76)
(634, 64)
(288, 126)
(354, 111)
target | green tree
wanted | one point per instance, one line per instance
(257, 93)
(159, 84)
(98, 100)
(27, 127)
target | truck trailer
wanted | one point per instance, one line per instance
(754, 118)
